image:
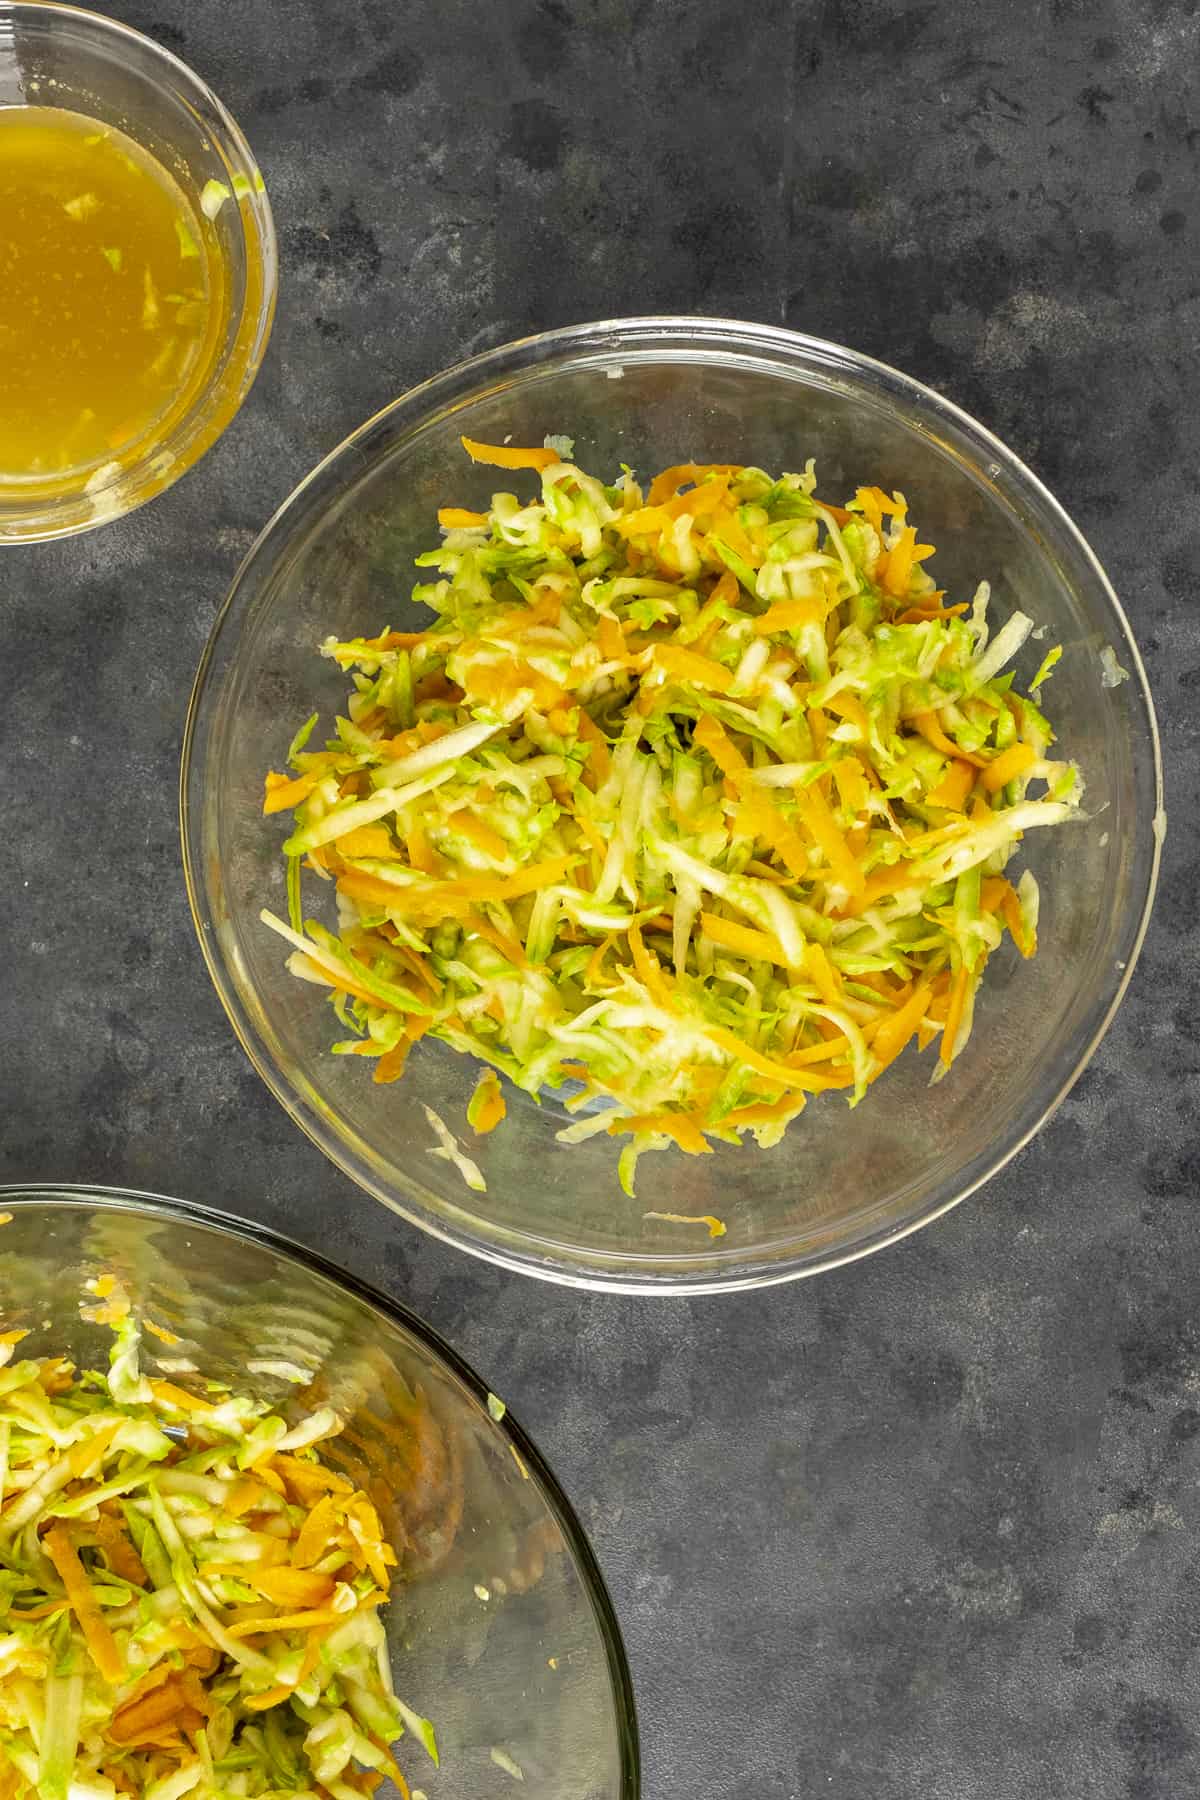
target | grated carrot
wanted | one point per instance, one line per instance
(272, 1696)
(892, 1036)
(930, 609)
(954, 1015)
(500, 940)
(766, 1112)
(595, 968)
(420, 855)
(288, 1586)
(775, 1071)
(790, 615)
(317, 1635)
(873, 503)
(298, 1621)
(305, 1482)
(85, 1457)
(952, 790)
(698, 502)
(367, 1532)
(710, 735)
(929, 726)
(368, 840)
(716, 1227)
(649, 972)
(683, 1128)
(102, 1646)
(759, 817)
(129, 1725)
(437, 897)
(848, 706)
(247, 1494)
(114, 1541)
(283, 794)
(813, 811)
(833, 1049)
(850, 779)
(487, 1107)
(1008, 765)
(826, 979)
(898, 565)
(168, 1394)
(668, 483)
(160, 1332)
(473, 828)
(998, 894)
(744, 940)
(507, 456)
(316, 1533)
(610, 639)
(599, 759)
(690, 666)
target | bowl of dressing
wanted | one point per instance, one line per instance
(137, 269)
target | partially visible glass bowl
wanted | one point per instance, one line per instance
(62, 56)
(338, 558)
(536, 1671)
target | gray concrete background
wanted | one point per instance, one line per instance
(922, 1529)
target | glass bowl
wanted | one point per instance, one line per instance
(338, 558)
(64, 57)
(536, 1672)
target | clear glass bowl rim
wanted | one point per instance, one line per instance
(44, 522)
(605, 341)
(80, 1197)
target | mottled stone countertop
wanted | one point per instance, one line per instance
(921, 1529)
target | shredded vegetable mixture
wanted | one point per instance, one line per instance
(689, 803)
(188, 1596)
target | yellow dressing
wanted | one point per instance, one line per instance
(112, 295)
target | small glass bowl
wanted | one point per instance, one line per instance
(62, 56)
(536, 1670)
(651, 392)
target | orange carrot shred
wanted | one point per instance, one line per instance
(684, 1128)
(284, 794)
(649, 971)
(895, 1032)
(314, 1536)
(102, 1646)
(507, 456)
(952, 790)
(813, 811)
(1007, 766)
(487, 1107)
(954, 1014)
(929, 726)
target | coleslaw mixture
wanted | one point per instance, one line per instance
(188, 1595)
(693, 802)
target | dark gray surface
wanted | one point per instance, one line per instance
(922, 1528)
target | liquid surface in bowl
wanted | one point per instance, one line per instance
(112, 294)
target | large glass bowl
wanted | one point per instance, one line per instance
(62, 56)
(338, 558)
(535, 1671)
